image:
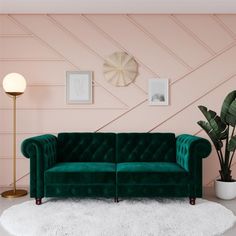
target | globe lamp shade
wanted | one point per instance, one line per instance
(14, 84)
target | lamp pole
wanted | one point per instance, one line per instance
(14, 85)
(14, 144)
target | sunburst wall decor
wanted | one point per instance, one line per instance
(120, 69)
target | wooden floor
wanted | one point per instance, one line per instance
(208, 194)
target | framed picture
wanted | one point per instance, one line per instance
(79, 87)
(158, 92)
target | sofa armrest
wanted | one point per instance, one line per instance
(190, 150)
(42, 151)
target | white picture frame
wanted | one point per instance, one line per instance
(79, 87)
(158, 92)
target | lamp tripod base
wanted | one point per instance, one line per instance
(14, 194)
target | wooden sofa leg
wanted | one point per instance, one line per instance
(192, 200)
(116, 199)
(38, 201)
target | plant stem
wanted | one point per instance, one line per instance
(226, 148)
(220, 158)
(231, 158)
(221, 155)
(233, 132)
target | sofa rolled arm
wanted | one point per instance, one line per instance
(42, 152)
(191, 149)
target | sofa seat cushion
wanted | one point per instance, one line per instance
(81, 173)
(151, 173)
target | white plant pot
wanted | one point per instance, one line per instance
(225, 190)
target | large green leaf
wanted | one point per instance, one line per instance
(228, 109)
(208, 114)
(231, 119)
(232, 144)
(214, 138)
(215, 122)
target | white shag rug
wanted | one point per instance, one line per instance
(73, 217)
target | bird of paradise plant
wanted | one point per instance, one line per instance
(220, 130)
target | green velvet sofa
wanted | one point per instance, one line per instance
(118, 165)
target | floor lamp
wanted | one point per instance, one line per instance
(14, 85)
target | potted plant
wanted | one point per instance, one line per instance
(221, 130)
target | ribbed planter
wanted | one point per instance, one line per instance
(225, 190)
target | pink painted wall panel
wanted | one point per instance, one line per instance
(54, 97)
(81, 28)
(196, 53)
(24, 181)
(74, 52)
(7, 141)
(6, 175)
(207, 29)
(7, 27)
(229, 22)
(210, 169)
(187, 118)
(58, 120)
(24, 48)
(139, 44)
(192, 87)
(49, 32)
(42, 72)
(142, 78)
(172, 36)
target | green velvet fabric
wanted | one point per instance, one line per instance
(189, 153)
(124, 191)
(81, 173)
(145, 147)
(68, 179)
(86, 147)
(75, 190)
(148, 173)
(190, 148)
(109, 164)
(42, 151)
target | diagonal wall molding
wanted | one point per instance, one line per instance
(193, 70)
(194, 101)
(81, 42)
(206, 62)
(66, 59)
(179, 23)
(117, 44)
(157, 41)
(224, 26)
(68, 32)
(15, 35)
(32, 35)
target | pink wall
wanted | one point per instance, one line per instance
(196, 52)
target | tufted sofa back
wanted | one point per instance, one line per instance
(86, 147)
(146, 147)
